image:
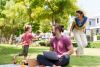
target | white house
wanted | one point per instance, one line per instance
(94, 27)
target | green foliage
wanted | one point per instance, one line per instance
(2, 3)
(90, 45)
(35, 25)
(39, 13)
(45, 26)
(94, 45)
(98, 37)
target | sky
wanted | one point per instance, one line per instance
(90, 7)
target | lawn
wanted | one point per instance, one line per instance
(8, 51)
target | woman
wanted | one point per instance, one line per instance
(78, 28)
(62, 46)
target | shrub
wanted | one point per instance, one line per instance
(98, 37)
(95, 44)
(90, 45)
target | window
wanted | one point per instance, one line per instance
(97, 20)
(89, 22)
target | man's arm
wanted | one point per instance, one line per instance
(71, 50)
(68, 46)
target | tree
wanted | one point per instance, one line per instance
(60, 9)
(53, 10)
(39, 13)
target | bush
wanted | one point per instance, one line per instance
(42, 43)
(95, 44)
(98, 37)
(90, 45)
(75, 44)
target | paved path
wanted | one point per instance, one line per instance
(11, 65)
(91, 51)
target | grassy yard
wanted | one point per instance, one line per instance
(8, 51)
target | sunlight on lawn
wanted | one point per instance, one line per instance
(88, 60)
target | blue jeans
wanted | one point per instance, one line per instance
(63, 61)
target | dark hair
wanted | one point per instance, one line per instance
(60, 28)
(80, 12)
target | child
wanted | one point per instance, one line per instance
(26, 39)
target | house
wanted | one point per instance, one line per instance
(93, 28)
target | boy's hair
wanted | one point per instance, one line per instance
(27, 27)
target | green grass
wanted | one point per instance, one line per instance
(85, 61)
(8, 51)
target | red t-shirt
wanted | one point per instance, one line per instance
(60, 45)
(26, 38)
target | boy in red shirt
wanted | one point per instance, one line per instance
(26, 39)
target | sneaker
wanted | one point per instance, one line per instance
(14, 60)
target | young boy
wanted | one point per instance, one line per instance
(26, 39)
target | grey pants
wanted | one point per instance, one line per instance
(24, 51)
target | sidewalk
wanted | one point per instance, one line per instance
(11, 65)
(91, 51)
